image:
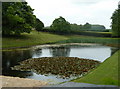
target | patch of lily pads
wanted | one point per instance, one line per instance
(64, 67)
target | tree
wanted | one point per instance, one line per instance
(87, 26)
(116, 23)
(17, 17)
(60, 25)
(97, 27)
(39, 25)
(75, 27)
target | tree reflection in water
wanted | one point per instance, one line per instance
(37, 52)
(113, 50)
(12, 58)
(60, 51)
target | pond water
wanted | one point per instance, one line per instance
(10, 58)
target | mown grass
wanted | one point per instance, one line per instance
(99, 32)
(89, 39)
(107, 73)
(34, 38)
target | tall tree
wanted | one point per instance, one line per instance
(17, 17)
(116, 23)
(60, 25)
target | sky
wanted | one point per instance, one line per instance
(75, 11)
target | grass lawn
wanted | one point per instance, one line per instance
(107, 73)
(34, 38)
(91, 39)
(99, 32)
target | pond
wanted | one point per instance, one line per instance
(10, 58)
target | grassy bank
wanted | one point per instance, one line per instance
(89, 39)
(34, 38)
(107, 73)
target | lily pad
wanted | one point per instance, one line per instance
(61, 66)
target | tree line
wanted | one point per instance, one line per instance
(18, 17)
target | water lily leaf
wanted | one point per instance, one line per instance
(64, 67)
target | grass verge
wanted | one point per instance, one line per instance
(106, 74)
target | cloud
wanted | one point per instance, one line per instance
(74, 11)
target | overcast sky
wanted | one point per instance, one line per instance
(75, 11)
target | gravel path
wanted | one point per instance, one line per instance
(20, 82)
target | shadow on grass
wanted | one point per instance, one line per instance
(23, 36)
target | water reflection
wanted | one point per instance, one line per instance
(36, 52)
(12, 58)
(60, 51)
(113, 50)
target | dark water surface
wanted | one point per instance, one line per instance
(11, 58)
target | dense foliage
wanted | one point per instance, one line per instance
(39, 25)
(88, 27)
(17, 17)
(116, 23)
(76, 27)
(60, 25)
(98, 28)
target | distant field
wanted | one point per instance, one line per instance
(107, 73)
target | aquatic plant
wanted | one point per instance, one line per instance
(64, 67)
